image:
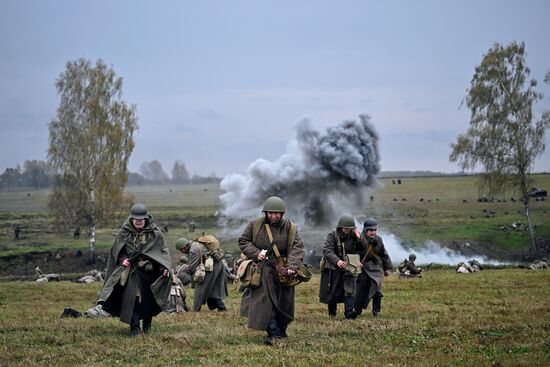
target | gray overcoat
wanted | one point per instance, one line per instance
(370, 280)
(271, 299)
(214, 284)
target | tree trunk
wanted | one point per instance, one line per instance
(91, 252)
(529, 222)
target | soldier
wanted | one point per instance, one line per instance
(376, 265)
(338, 285)
(213, 289)
(270, 306)
(137, 282)
(182, 271)
(76, 233)
(192, 227)
(408, 269)
(16, 232)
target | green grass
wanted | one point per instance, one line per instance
(442, 216)
(494, 317)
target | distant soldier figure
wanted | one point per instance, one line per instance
(337, 284)
(192, 227)
(408, 269)
(76, 233)
(165, 227)
(16, 232)
(539, 264)
(212, 290)
(270, 306)
(471, 266)
(44, 278)
(138, 279)
(376, 265)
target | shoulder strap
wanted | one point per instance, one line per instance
(274, 246)
(291, 235)
(256, 229)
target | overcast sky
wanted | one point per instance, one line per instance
(218, 84)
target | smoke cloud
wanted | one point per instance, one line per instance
(318, 175)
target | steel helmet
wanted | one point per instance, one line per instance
(412, 257)
(346, 221)
(181, 243)
(274, 204)
(138, 211)
(370, 223)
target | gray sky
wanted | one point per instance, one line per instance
(219, 84)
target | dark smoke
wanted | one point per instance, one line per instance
(320, 175)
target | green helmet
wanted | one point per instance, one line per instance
(274, 204)
(370, 223)
(181, 243)
(346, 221)
(138, 211)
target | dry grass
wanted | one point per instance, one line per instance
(495, 317)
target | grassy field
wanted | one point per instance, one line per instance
(490, 318)
(448, 213)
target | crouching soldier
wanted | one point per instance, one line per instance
(212, 288)
(408, 269)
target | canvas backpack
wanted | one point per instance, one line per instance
(213, 246)
(402, 266)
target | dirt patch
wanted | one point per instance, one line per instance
(61, 262)
(490, 251)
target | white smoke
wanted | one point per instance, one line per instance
(430, 252)
(318, 175)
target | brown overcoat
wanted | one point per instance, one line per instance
(376, 262)
(334, 281)
(271, 299)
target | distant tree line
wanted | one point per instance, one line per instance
(36, 174)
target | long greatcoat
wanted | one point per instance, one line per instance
(214, 284)
(148, 259)
(372, 275)
(270, 299)
(334, 281)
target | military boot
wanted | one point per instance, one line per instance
(376, 304)
(147, 325)
(273, 332)
(349, 312)
(134, 325)
(332, 307)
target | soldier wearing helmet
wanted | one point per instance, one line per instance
(337, 284)
(270, 307)
(376, 265)
(138, 258)
(408, 269)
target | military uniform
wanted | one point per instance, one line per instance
(369, 283)
(270, 307)
(337, 286)
(213, 289)
(138, 291)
